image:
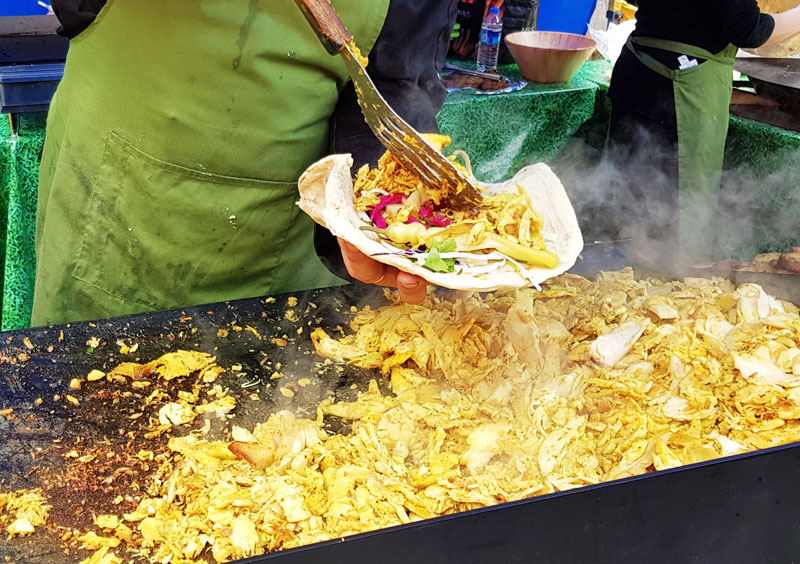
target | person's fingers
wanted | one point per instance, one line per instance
(365, 269)
(412, 289)
(360, 266)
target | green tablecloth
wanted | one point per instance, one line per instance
(19, 174)
(502, 133)
(760, 190)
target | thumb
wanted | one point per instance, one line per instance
(412, 289)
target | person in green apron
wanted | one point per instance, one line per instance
(176, 137)
(670, 94)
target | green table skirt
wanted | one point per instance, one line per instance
(760, 190)
(502, 133)
(19, 175)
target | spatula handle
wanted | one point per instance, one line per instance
(326, 23)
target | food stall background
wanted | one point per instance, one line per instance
(563, 124)
(571, 16)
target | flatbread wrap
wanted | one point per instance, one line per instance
(523, 233)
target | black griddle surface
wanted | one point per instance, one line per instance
(572, 526)
(246, 336)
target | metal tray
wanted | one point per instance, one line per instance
(740, 509)
(28, 88)
(774, 79)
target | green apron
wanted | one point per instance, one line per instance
(174, 144)
(702, 101)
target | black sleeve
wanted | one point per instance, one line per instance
(404, 64)
(75, 15)
(743, 23)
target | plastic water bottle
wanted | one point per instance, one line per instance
(490, 40)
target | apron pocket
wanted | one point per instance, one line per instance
(167, 236)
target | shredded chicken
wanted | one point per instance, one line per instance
(507, 215)
(493, 399)
(22, 511)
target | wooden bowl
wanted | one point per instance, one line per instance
(549, 56)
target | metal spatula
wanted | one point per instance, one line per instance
(402, 141)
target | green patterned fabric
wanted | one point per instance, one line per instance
(19, 176)
(501, 132)
(760, 190)
(504, 132)
(760, 148)
(6, 168)
(7, 178)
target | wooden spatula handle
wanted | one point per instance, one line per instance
(326, 23)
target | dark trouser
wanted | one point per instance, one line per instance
(643, 146)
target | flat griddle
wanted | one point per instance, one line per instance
(39, 363)
(775, 80)
(780, 72)
(739, 509)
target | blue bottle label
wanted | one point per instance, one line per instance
(489, 37)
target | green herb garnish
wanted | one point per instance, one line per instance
(435, 262)
(446, 246)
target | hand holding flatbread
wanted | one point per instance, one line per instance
(451, 249)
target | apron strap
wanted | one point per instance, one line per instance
(682, 48)
(675, 47)
(701, 96)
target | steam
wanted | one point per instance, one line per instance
(757, 210)
(499, 167)
(760, 209)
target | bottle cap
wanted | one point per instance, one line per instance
(494, 10)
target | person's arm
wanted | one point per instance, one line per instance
(743, 24)
(75, 15)
(786, 24)
(404, 64)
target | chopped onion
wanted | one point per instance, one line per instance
(471, 263)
